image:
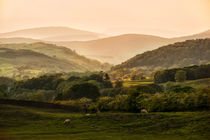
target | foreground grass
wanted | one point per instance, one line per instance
(32, 123)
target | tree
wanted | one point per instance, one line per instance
(151, 88)
(97, 77)
(118, 84)
(106, 77)
(3, 90)
(180, 76)
(132, 103)
(81, 90)
(106, 81)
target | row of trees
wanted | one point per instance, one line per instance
(181, 74)
(72, 87)
(136, 100)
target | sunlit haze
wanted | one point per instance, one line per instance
(167, 18)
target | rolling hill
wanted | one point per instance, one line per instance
(120, 48)
(17, 40)
(201, 35)
(38, 58)
(53, 34)
(116, 49)
(181, 54)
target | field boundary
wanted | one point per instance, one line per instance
(39, 104)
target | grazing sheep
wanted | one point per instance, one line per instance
(87, 114)
(144, 111)
(67, 121)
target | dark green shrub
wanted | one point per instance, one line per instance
(120, 103)
(179, 89)
(132, 102)
(112, 92)
(104, 103)
(81, 90)
(174, 102)
(118, 84)
(152, 88)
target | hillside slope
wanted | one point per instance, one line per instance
(201, 35)
(37, 58)
(120, 48)
(53, 34)
(17, 40)
(181, 54)
(116, 49)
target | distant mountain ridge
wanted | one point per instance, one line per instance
(53, 34)
(120, 48)
(17, 40)
(180, 54)
(202, 35)
(115, 49)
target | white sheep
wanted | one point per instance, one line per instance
(87, 115)
(67, 121)
(144, 111)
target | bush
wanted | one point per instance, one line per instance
(132, 102)
(180, 76)
(2, 95)
(37, 96)
(3, 90)
(46, 82)
(96, 83)
(112, 92)
(104, 103)
(179, 89)
(73, 78)
(174, 102)
(81, 90)
(120, 103)
(152, 88)
(42, 95)
(118, 84)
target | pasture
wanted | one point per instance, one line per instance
(130, 83)
(199, 83)
(21, 123)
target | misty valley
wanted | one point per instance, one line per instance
(104, 70)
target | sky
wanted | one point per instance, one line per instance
(168, 18)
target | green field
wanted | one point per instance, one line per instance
(199, 83)
(21, 123)
(137, 82)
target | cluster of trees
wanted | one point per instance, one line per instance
(5, 84)
(95, 92)
(60, 87)
(182, 74)
(184, 99)
(127, 74)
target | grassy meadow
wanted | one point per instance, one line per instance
(20, 123)
(200, 83)
(129, 83)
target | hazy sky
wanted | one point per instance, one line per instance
(157, 17)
